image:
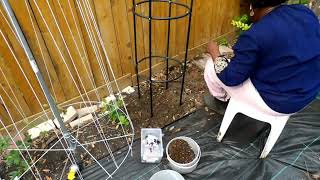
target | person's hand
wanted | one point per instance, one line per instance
(213, 50)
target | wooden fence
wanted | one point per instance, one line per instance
(70, 41)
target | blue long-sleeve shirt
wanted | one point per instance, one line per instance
(281, 56)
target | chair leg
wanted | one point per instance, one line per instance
(276, 129)
(231, 111)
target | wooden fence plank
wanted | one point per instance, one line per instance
(10, 89)
(202, 25)
(18, 77)
(159, 31)
(214, 25)
(56, 48)
(144, 9)
(89, 44)
(106, 24)
(8, 109)
(17, 62)
(229, 15)
(181, 29)
(139, 36)
(8, 99)
(4, 116)
(35, 40)
(123, 35)
(69, 30)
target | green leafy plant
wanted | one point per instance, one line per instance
(242, 23)
(13, 159)
(223, 42)
(112, 108)
(4, 144)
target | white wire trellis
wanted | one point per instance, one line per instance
(124, 135)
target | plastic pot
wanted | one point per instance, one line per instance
(167, 175)
(188, 167)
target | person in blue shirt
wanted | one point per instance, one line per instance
(276, 66)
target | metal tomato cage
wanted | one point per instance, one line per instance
(165, 57)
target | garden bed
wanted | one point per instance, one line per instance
(166, 102)
(166, 111)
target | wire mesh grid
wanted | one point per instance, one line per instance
(34, 150)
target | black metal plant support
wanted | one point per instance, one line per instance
(151, 18)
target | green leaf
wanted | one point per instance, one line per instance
(237, 18)
(223, 42)
(123, 120)
(20, 145)
(4, 144)
(304, 1)
(120, 103)
(16, 161)
(113, 115)
(24, 166)
(13, 159)
(241, 26)
(244, 18)
(14, 174)
(113, 110)
(24, 144)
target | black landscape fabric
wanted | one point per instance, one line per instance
(295, 156)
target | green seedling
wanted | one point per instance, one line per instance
(113, 109)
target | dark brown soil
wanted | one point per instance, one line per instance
(166, 110)
(181, 152)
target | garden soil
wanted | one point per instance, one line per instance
(181, 152)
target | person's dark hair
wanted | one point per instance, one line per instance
(266, 3)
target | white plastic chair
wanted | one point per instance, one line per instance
(277, 122)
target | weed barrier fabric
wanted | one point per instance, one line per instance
(296, 154)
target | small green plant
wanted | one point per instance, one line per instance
(112, 108)
(4, 144)
(242, 23)
(13, 159)
(223, 42)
